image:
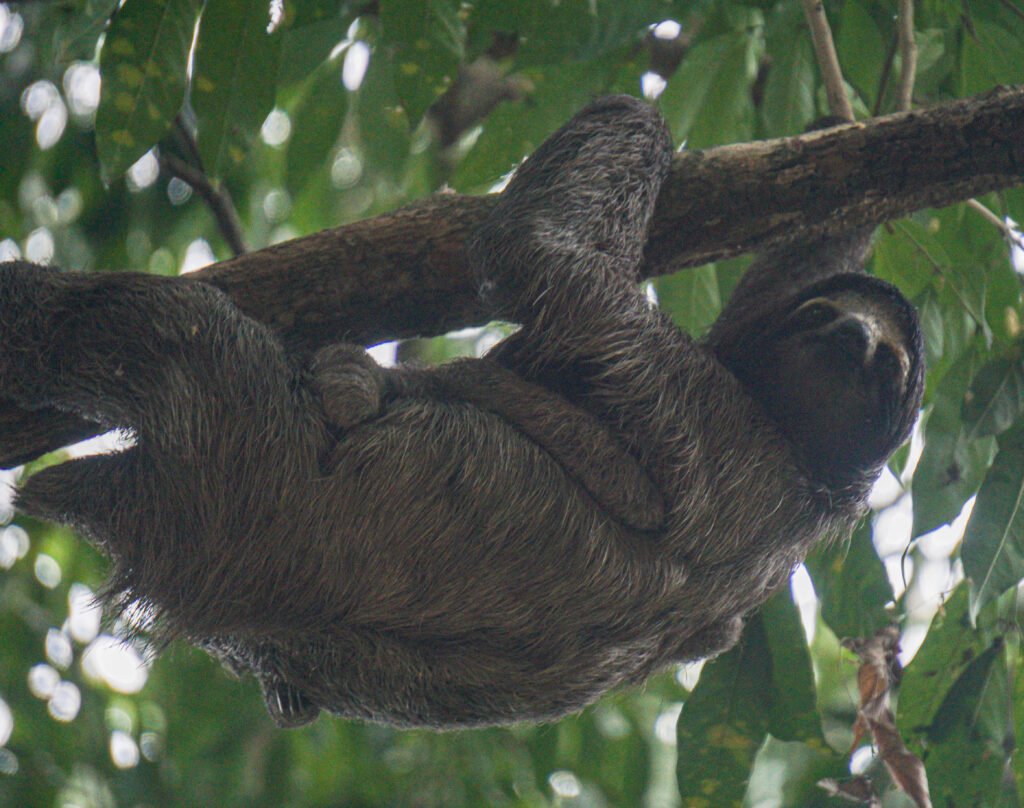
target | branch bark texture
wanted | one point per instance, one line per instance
(405, 274)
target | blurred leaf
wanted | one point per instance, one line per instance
(424, 40)
(789, 92)
(993, 545)
(993, 56)
(559, 32)
(382, 122)
(966, 752)
(851, 584)
(996, 398)
(861, 49)
(299, 13)
(79, 28)
(316, 119)
(142, 65)
(954, 460)
(513, 131)
(707, 101)
(236, 65)
(691, 298)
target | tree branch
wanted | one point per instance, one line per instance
(404, 273)
(828, 61)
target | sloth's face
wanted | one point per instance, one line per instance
(840, 373)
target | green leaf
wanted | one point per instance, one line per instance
(851, 584)
(142, 66)
(299, 13)
(317, 120)
(764, 684)
(691, 298)
(563, 31)
(861, 50)
(996, 398)
(954, 460)
(233, 81)
(424, 39)
(950, 646)
(966, 753)
(993, 546)
(789, 92)
(707, 101)
(793, 715)
(513, 131)
(382, 123)
(724, 723)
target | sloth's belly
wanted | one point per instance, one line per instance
(447, 516)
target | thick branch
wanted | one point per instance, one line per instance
(404, 273)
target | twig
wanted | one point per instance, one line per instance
(828, 62)
(217, 200)
(1012, 8)
(908, 55)
(1012, 236)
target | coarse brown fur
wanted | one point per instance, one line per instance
(493, 540)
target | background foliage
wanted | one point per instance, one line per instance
(320, 112)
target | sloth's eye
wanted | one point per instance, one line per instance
(812, 315)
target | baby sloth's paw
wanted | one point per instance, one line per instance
(350, 385)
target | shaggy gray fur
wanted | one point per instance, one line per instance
(491, 541)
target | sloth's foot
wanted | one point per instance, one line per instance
(349, 383)
(288, 706)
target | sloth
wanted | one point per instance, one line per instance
(491, 540)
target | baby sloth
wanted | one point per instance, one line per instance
(493, 540)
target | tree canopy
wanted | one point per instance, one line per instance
(166, 135)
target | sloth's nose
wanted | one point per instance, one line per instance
(855, 338)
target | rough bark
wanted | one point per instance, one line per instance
(404, 273)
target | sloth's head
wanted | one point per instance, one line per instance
(839, 368)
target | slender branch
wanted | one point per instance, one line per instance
(828, 62)
(908, 55)
(217, 200)
(405, 273)
(1012, 236)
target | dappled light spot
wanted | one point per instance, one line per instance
(123, 750)
(144, 172)
(12, 25)
(84, 614)
(47, 571)
(353, 71)
(43, 680)
(39, 246)
(14, 545)
(82, 89)
(58, 648)
(276, 129)
(198, 254)
(6, 722)
(116, 663)
(665, 724)
(65, 702)
(346, 170)
(667, 29)
(565, 784)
